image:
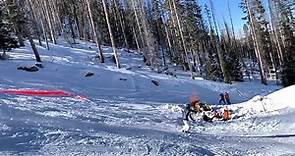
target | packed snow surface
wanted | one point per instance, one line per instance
(121, 112)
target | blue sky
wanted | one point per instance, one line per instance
(221, 12)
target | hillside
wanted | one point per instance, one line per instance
(121, 112)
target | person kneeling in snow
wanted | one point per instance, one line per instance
(226, 114)
(193, 107)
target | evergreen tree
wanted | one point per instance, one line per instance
(7, 41)
(288, 40)
(212, 67)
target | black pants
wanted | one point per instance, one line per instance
(188, 115)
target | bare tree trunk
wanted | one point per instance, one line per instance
(35, 21)
(220, 53)
(256, 43)
(52, 33)
(111, 34)
(37, 56)
(148, 36)
(56, 17)
(182, 39)
(139, 28)
(122, 23)
(136, 39)
(176, 41)
(169, 42)
(76, 21)
(95, 34)
(41, 14)
(273, 22)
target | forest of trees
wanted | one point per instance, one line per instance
(166, 32)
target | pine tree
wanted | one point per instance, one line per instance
(195, 33)
(212, 65)
(7, 41)
(16, 20)
(259, 33)
(159, 28)
(285, 22)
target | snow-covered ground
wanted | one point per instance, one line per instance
(126, 114)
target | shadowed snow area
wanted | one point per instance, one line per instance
(126, 114)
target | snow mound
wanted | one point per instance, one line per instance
(284, 97)
(274, 102)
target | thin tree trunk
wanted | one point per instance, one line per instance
(40, 13)
(273, 22)
(35, 21)
(55, 16)
(52, 33)
(111, 34)
(182, 39)
(147, 36)
(256, 44)
(220, 53)
(176, 41)
(169, 42)
(37, 56)
(136, 39)
(95, 34)
(139, 29)
(122, 23)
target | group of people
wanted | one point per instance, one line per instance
(197, 107)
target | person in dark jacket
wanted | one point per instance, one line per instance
(221, 99)
(226, 97)
(192, 107)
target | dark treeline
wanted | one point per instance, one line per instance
(166, 32)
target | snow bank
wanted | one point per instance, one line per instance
(284, 97)
(277, 101)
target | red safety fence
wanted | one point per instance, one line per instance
(48, 93)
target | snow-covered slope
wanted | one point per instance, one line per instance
(65, 69)
(126, 114)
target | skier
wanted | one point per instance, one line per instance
(226, 97)
(221, 99)
(192, 107)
